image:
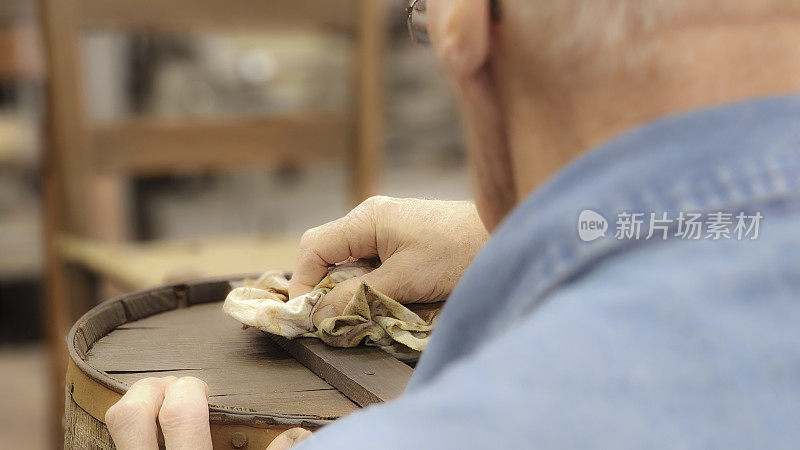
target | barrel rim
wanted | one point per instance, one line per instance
(185, 293)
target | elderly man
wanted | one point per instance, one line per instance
(643, 297)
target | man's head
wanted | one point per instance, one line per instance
(551, 78)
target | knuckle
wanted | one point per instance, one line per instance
(147, 382)
(171, 414)
(124, 413)
(312, 236)
(190, 382)
(153, 382)
(308, 254)
(367, 211)
(369, 201)
(178, 410)
(309, 236)
(187, 381)
(369, 206)
(373, 203)
(176, 414)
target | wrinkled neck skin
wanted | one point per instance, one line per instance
(487, 140)
(553, 114)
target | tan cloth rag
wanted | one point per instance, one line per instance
(368, 317)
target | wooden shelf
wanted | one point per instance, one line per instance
(20, 245)
(21, 56)
(134, 266)
(205, 15)
(164, 147)
(15, 11)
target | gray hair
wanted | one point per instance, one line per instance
(577, 27)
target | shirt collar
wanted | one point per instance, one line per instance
(736, 157)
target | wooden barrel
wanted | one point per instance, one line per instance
(257, 390)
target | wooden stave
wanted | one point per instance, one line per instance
(227, 425)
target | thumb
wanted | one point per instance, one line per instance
(388, 279)
(352, 236)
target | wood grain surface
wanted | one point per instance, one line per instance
(362, 374)
(244, 369)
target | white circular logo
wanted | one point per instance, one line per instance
(591, 225)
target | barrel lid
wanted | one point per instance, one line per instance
(180, 330)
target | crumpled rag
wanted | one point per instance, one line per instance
(369, 317)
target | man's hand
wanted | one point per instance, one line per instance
(180, 404)
(181, 407)
(424, 247)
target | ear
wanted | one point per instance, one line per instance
(459, 31)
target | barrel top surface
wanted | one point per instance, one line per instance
(245, 369)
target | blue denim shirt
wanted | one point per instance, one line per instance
(549, 341)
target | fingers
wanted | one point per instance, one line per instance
(396, 278)
(289, 438)
(132, 420)
(181, 406)
(350, 236)
(334, 302)
(184, 415)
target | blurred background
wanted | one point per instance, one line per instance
(143, 142)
